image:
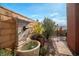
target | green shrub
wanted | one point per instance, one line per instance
(49, 27)
(4, 52)
(43, 51)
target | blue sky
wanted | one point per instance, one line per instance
(55, 11)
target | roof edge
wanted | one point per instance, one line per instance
(15, 12)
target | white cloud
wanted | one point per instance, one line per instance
(35, 16)
(60, 22)
(54, 14)
(40, 18)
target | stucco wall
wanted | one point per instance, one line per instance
(73, 27)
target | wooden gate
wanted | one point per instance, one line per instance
(8, 32)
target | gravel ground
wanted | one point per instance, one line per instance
(60, 46)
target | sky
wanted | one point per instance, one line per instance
(54, 11)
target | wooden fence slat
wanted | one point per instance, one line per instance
(6, 25)
(8, 33)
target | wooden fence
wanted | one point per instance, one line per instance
(8, 32)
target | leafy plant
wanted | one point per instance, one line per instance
(37, 33)
(5, 52)
(38, 28)
(43, 50)
(49, 27)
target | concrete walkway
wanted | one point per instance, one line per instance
(61, 48)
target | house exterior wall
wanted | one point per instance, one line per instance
(72, 27)
(77, 28)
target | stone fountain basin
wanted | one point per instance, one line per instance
(30, 52)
